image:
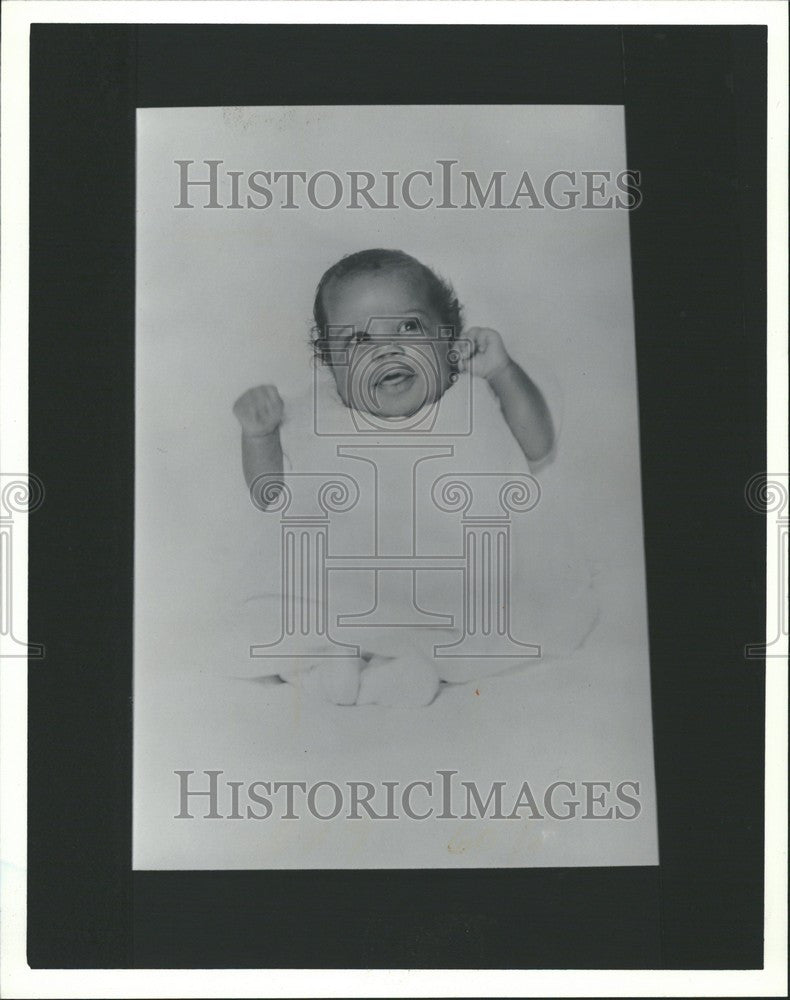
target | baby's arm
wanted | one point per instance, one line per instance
(522, 403)
(260, 413)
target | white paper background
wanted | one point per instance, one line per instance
(224, 302)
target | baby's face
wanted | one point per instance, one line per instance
(387, 355)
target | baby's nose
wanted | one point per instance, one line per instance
(386, 347)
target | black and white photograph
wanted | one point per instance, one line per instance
(394, 498)
(389, 572)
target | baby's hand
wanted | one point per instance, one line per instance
(259, 411)
(487, 349)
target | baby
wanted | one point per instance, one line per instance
(387, 307)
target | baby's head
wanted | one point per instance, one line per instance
(385, 325)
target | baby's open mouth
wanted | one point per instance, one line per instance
(395, 375)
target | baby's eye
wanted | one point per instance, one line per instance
(409, 326)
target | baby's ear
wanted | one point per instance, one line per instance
(318, 343)
(463, 348)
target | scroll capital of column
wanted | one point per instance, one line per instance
(20, 493)
(769, 493)
(486, 496)
(304, 496)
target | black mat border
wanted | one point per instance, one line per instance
(695, 108)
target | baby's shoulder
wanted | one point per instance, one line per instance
(307, 428)
(297, 408)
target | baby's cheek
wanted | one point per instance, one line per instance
(444, 374)
(340, 375)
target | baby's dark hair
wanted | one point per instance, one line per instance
(441, 292)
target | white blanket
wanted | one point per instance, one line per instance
(431, 488)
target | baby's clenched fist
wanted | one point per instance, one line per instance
(259, 411)
(486, 349)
